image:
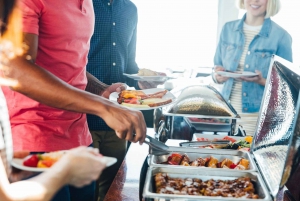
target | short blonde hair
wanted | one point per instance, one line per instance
(273, 7)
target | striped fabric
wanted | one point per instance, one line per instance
(6, 147)
(113, 46)
(248, 120)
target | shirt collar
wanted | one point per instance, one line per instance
(265, 30)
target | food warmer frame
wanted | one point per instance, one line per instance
(274, 148)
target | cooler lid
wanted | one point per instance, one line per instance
(274, 145)
(200, 101)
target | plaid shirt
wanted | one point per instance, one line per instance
(113, 46)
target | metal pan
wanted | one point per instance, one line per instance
(149, 189)
(236, 156)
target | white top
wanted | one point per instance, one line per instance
(248, 120)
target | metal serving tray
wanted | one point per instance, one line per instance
(200, 101)
(149, 189)
(235, 156)
(207, 126)
(276, 141)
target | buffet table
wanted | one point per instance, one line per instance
(125, 186)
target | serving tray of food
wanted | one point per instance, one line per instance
(195, 184)
(232, 161)
(235, 142)
(273, 152)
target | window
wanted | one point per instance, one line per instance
(176, 34)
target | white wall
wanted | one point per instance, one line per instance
(227, 11)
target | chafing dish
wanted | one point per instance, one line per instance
(274, 147)
(196, 173)
(200, 101)
(193, 154)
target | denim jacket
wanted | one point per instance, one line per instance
(272, 39)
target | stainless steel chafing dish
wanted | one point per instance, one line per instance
(274, 148)
(194, 153)
(149, 189)
(199, 101)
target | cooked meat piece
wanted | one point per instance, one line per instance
(245, 163)
(212, 162)
(185, 160)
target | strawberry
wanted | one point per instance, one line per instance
(232, 166)
(32, 161)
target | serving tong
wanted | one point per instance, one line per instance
(158, 148)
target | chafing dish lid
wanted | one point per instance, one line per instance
(274, 145)
(200, 101)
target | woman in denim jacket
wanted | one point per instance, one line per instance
(247, 45)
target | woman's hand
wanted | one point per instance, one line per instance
(82, 165)
(257, 79)
(219, 78)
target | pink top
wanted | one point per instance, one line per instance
(64, 29)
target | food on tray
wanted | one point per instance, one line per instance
(45, 160)
(147, 72)
(201, 106)
(208, 120)
(234, 144)
(139, 98)
(241, 187)
(212, 162)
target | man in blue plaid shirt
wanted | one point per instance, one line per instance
(112, 53)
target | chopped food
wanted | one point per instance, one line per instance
(174, 159)
(240, 187)
(249, 139)
(45, 160)
(32, 161)
(243, 145)
(147, 72)
(139, 98)
(212, 162)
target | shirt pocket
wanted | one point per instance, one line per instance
(228, 54)
(262, 61)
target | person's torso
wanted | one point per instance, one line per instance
(64, 31)
(114, 28)
(258, 57)
(108, 59)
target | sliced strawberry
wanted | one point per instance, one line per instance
(32, 161)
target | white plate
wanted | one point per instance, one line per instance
(18, 163)
(158, 78)
(237, 75)
(114, 96)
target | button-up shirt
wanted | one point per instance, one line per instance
(113, 46)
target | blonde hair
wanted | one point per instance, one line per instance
(273, 7)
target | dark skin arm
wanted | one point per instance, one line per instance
(44, 87)
(97, 87)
